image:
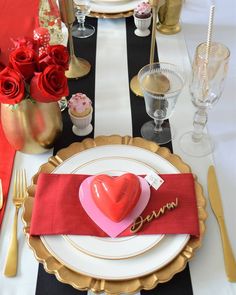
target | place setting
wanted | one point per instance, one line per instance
(109, 212)
(73, 252)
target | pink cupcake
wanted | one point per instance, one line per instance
(80, 105)
(80, 111)
(142, 19)
(143, 10)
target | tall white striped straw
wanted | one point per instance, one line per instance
(208, 48)
(209, 32)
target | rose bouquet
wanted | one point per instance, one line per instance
(30, 76)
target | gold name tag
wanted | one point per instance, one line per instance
(140, 221)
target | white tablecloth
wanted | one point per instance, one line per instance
(207, 267)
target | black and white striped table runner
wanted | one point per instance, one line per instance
(137, 56)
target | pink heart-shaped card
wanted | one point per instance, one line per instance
(110, 227)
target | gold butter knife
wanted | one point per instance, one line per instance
(216, 205)
(1, 195)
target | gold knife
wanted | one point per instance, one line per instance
(216, 205)
(1, 195)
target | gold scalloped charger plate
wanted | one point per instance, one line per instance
(111, 15)
(84, 282)
(110, 1)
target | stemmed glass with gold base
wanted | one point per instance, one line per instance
(82, 30)
(159, 101)
(206, 88)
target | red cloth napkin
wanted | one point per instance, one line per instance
(57, 208)
(17, 19)
(7, 154)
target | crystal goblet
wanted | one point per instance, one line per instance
(82, 10)
(161, 84)
(206, 88)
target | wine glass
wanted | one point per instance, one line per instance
(161, 84)
(81, 30)
(206, 88)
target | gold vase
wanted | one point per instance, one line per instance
(169, 15)
(31, 127)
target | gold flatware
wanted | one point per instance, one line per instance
(216, 205)
(1, 195)
(19, 194)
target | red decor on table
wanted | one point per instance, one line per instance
(121, 193)
(17, 19)
(29, 76)
(57, 209)
(7, 154)
(30, 87)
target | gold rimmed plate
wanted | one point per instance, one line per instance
(113, 7)
(111, 15)
(110, 248)
(148, 256)
(110, 1)
(82, 281)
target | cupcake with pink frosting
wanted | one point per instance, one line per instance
(143, 10)
(142, 19)
(80, 105)
(80, 111)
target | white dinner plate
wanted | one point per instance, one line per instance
(112, 269)
(108, 248)
(119, 248)
(113, 7)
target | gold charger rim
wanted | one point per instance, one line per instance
(82, 282)
(110, 1)
(111, 15)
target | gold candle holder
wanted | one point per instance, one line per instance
(78, 67)
(135, 86)
(161, 81)
(169, 15)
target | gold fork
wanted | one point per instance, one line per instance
(19, 194)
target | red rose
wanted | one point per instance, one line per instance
(50, 85)
(12, 88)
(25, 61)
(56, 55)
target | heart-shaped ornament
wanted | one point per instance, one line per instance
(111, 228)
(116, 196)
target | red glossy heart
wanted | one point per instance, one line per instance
(116, 196)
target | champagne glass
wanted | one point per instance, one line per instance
(81, 30)
(161, 84)
(206, 88)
